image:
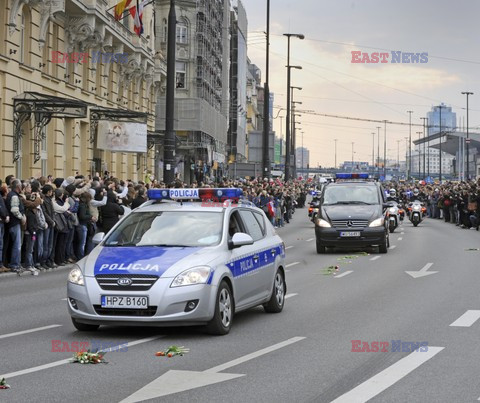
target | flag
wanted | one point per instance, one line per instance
(120, 8)
(137, 14)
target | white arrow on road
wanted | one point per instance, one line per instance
(423, 272)
(179, 381)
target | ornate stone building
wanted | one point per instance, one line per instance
(51, 102)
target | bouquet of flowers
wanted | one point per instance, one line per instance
(4, 384)
(172, 350)
(89, 357)
(331, 270)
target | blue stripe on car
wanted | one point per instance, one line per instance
(139, 260)
(247, 264)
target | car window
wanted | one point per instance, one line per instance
(252, 226)
(261, 221)
(350, 194)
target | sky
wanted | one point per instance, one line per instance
(447, 30)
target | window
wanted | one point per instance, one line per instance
(181, 69)
(252, 226)
(261, 221)
(164, 30)
(181, 33)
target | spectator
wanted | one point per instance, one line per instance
(17, 219)
(110, 212)
(140, 199)
(84, 218)
(47, 261)
(4, 220)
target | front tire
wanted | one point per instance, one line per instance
(223, 316)
(321, 248)
(277, 300)
(84, 327)
(383, 248)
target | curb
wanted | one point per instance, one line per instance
(11, 274)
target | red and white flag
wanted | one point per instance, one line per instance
(137, 14)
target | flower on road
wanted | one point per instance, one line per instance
(89, 357)
(4, 384)
(172, 351)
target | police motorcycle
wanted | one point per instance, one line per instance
(416, 209)
(314, 206)
(395, 211)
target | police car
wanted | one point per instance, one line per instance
(173, 262)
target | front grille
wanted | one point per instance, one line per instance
(140, 282)
(150, 311)
(354, 224)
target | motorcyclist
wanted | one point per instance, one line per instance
(417, 196)
(392, 195)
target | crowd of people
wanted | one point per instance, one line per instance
(454, 202)
(47, 222)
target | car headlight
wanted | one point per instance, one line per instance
(392, 210)
(322, 223)
(378, 222)
(195, 275)
(76, 276)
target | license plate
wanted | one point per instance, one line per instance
(115, 301)
(349, 234)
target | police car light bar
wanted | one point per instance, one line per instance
(352, 175)
(195, 194)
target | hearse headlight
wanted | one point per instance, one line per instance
(378, 222)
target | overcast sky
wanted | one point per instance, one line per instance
(447, 30)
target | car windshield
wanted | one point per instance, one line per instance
(168, 228)
(350, 194)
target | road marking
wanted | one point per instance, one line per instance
(289, 247)
(290, 295)
(69, 360)
(344, 274)
(388, 377)
(310, 240)
(287, 271)
(402, 233)
(400, 238)
(292, 264)
(467, 319)
(37, 329)
(375, 258)
(64, 299)
(175, 381)
(422, 272)
(393, 246)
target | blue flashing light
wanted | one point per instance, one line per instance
(352, 175)
(195, 194)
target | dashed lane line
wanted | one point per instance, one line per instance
(400, 238)
(310, 240)
(37, 329)
(467, 319)
(289, 247)
(388, 377)
(67, 360)
(375, 258)
(393, 247)
(343, 274)
(290, 295)
(292, 264)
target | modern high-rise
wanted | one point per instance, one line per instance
(449, 119)
(202, 84)
(302, 157)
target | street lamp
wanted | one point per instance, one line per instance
(378, 150)
(424, 120)
(373, 153)
(335, 152)
(410, 147)
(169, 142)
(385, 152)
(440, 144)
(293, 132)
(419, 169)
(288, 139)
(353, 152)
(468, 139)
(266, 103)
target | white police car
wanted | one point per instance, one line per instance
(180, 263)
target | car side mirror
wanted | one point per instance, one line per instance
(240, 239)
(97, 238)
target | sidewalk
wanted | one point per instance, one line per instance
(25, 274)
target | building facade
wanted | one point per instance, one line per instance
(66, 67)
(449, 119)
(202, 85)
(432, 162)
(302, 157)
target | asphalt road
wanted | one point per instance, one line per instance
(303, 354)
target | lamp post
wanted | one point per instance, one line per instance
(410, 146)
(293, 131)
(288, 139)
(385, 151)
(373, 152)
(266, 104)
(352, 154)
(378, 150)
(424, 120)
(169, 145)
(335, 152)
(398, 156)
(419, 166)
(468, 139)
(440, 144)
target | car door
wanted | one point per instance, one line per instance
(242, 264)
(264, 251)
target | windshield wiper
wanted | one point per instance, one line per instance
(353, 202)
(165, 245)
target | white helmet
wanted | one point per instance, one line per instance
(393, 193)
(415, 192)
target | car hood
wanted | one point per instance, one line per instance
(149, 260)
(354, 212)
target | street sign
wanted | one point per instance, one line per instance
(468, 141)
